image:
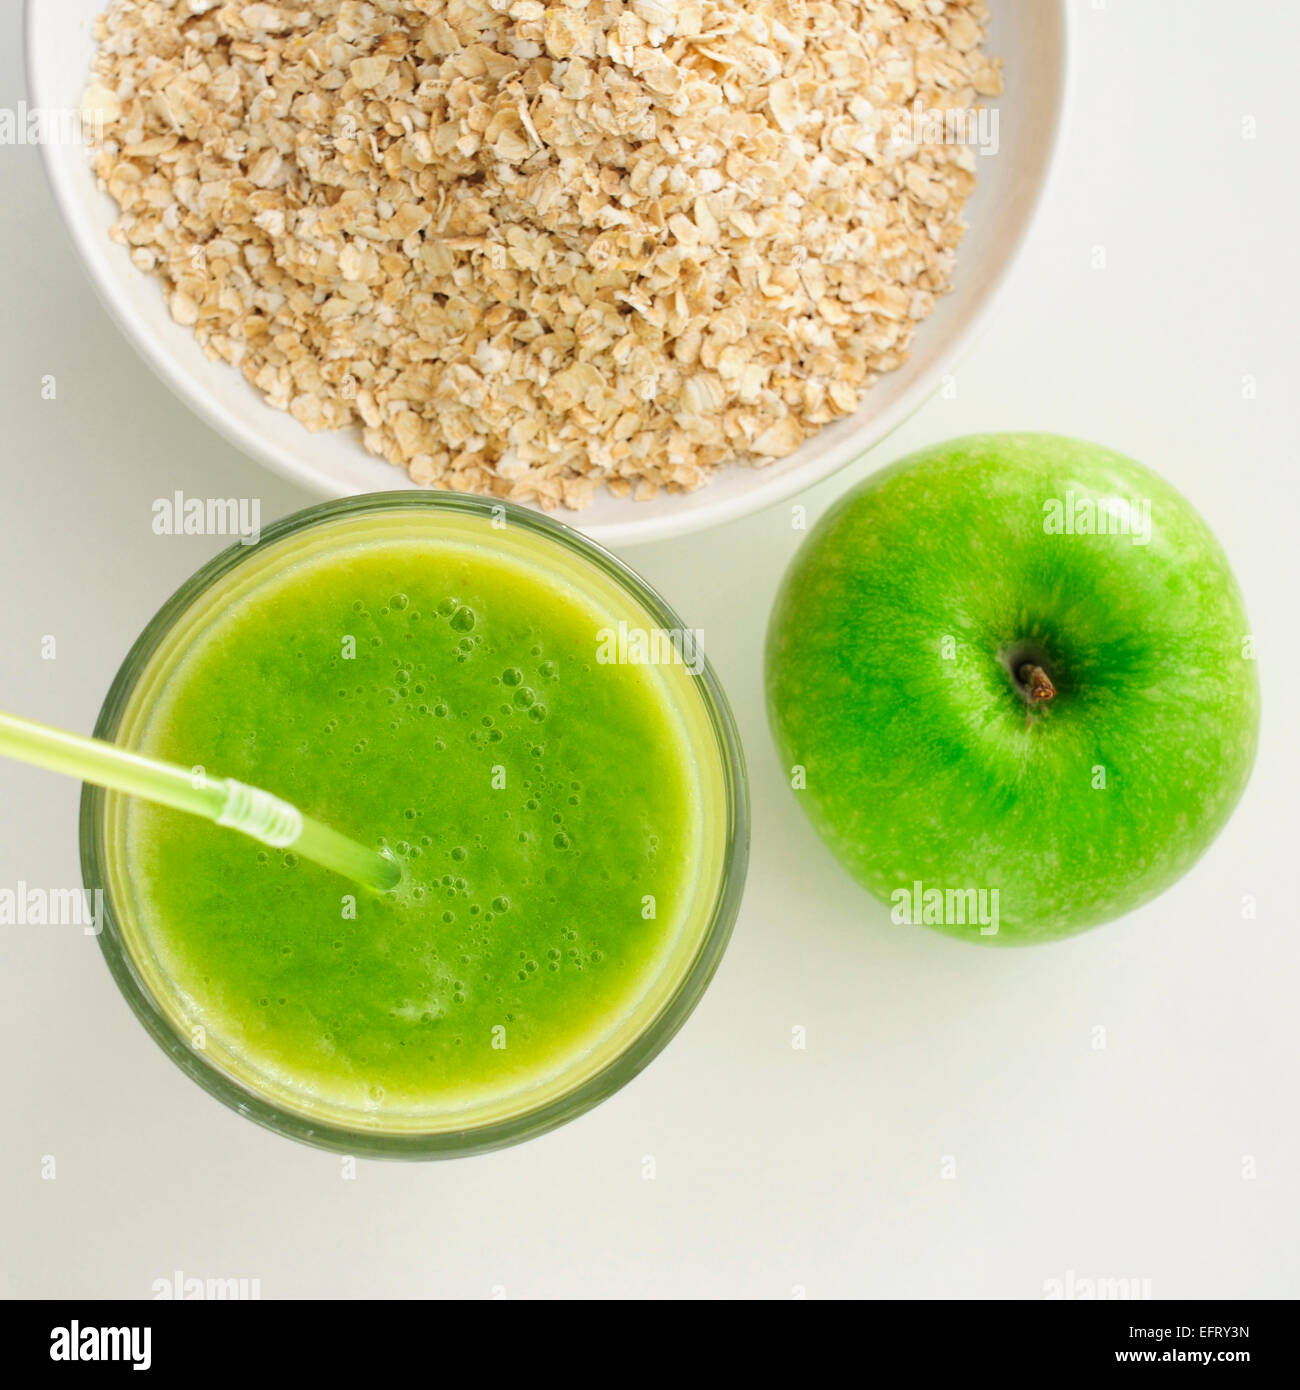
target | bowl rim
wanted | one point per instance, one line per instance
(768, 490)
(715, 930)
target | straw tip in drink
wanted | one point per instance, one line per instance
(390, 872)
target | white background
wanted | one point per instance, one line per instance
(777, 1171)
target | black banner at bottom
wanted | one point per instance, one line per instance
(211, 1337)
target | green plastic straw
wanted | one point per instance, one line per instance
(225, 801)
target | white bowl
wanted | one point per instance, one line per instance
(1030, 35)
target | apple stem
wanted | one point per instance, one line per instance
(1037, 683)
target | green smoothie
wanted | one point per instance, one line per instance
(432, 686)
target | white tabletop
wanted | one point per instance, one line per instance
(951, 1128)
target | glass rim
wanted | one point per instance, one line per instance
(448, 1143)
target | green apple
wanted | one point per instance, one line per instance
(1013, 684)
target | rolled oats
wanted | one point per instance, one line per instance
(528, 249)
